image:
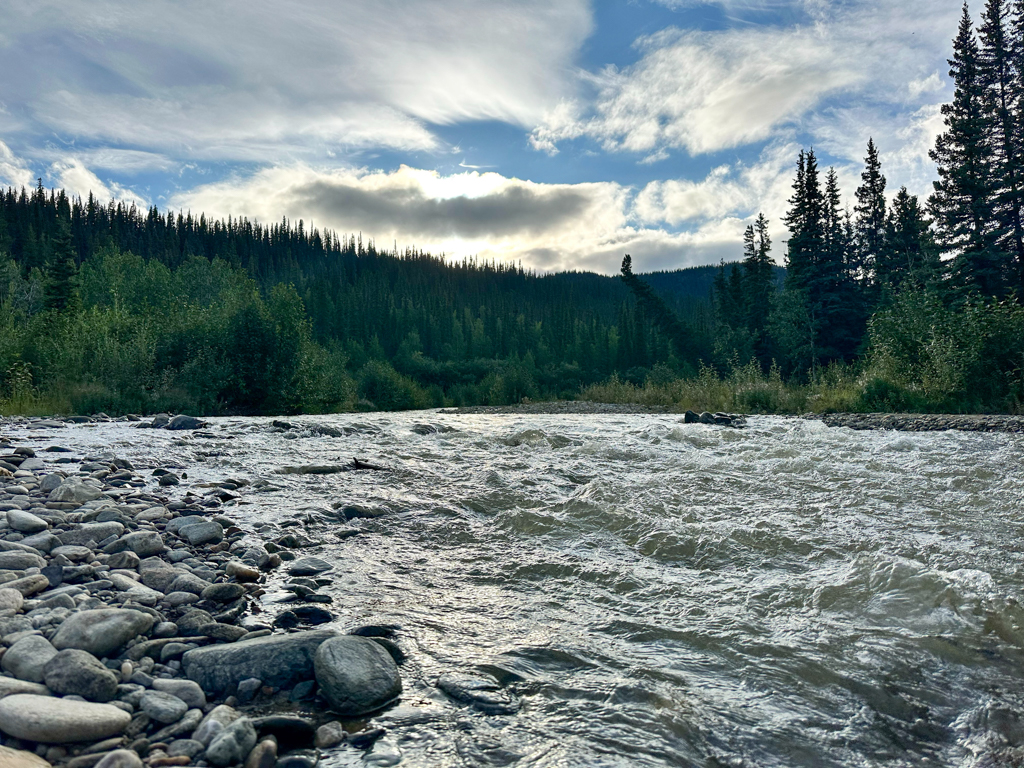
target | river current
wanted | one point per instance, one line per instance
(653, 593)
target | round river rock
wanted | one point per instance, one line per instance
(356, 675)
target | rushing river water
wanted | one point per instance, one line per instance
(658, 594)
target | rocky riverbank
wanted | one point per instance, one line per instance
(130, 622)
(922, 422)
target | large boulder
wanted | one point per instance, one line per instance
(356, 675)
(57, 721)
(79, 673)
(101, 631)
(185, 422)
(27, 658)
(277, 660)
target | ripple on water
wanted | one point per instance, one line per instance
(661, 594)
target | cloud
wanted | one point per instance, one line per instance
(706, 91)
(279, 81)
(13, 171)
(545, 226)
(77, 180)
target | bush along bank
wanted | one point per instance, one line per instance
(131, 631)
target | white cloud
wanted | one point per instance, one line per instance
(13, 171)
(546, 226)
(705, 91)
(77, 180)
(278, 81)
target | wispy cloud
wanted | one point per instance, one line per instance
(278, 81)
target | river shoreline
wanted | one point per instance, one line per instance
(131, 631)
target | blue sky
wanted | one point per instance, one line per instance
(559, 134)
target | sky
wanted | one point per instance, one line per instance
(560, 134)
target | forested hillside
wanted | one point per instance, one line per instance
(112, 308)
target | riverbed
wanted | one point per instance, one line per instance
(651, 593)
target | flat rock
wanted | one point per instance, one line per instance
(101, 631)
(277, 660)
(186, 690)
(163, 707)
(55, 721)
(27, 658)
(223, 592)
(26, 522)
(145, 543)
(79, 673)
(19, 758)
(29, 585)
(356, 675)
(17, 560)
(9, 686)
(74, 489)
(202, 532)
(88, 532)
(308, 566)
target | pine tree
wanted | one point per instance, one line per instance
(962, 204)
(60, 291)
(1000, 81)
(869, 224)
(914, 259)
(758, 286)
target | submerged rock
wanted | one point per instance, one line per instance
(356, 675)
(480, 691)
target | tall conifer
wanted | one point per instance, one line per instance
(869, 223)
(962, 201)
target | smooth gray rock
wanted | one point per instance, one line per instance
(79, 673)
(74, 489)
(27, 658)
(190, 623)
(120, 758)
(20, 758)
(51, 481)
(224, 592)
(187, 747)
(88, 532)
(188, 582)
(356, 675)
(9, 686)
(329, 735)
(233, 744)
(263, 755)
(17, 560)
(32, 465)
(56, 721)
(101, 631)
(44, 542)
(11, 599)
(163, 707)
(278, 660)
(308, 566)
(26, 522)
(185, 422)
(145, 543)
(202, 532)
(126, 560)
(186, 690)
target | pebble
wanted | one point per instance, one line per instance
(101, 631)
(163, 707)
(120, 758)
(79, 673)
(27, 657)
(233, 744)
(19, 758)
(329, 735)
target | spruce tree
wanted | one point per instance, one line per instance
(962, 203)
(914, 260)
(758, 286)
(60, 290)
(869, 224)
(1001, 99)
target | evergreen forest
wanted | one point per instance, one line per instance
(886, 302)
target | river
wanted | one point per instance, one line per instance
(653, 593)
